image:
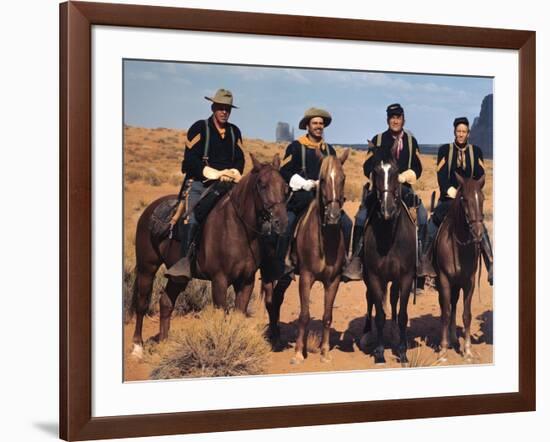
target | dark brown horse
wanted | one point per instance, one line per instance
(320, 253)
(229, 253)
(456, 260)
(389, 254)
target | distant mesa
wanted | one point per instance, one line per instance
(283, 133)
(481, 132)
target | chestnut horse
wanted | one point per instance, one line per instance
(320, 254)
(456, 260)
(389, 253)
(229, 253)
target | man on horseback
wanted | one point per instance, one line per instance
(213, 161)
(410, 169)
(300, 169)
(467, 160)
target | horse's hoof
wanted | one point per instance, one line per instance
(442, 357)
(297, 359)
(137, 351)
(403, 359)
(326, 358)
(363, 342)
(379, 359)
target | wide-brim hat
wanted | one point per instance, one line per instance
(313, 112)
(222, 96)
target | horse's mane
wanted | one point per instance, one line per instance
(383, 154)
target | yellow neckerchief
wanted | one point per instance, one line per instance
(308, 143)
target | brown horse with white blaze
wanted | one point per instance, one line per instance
(456, 260)
(321, 250)
(229, 253)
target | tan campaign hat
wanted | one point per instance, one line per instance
(315, 112)
(222, 96)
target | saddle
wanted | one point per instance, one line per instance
(159, 223)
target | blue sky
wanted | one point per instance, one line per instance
(165, 94)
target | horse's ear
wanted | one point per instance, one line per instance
(481, 181)
(344, 156)
(276, 163)
(255, 163)
(459, 178)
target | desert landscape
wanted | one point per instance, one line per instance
(152, 161)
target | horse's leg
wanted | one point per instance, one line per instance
(274, 297)
(167, 303)
(243, 291)
(467, 318)
(330, 294)
(143, 287)
(453, 337)
(394, 299)
(444, 288)
(404, 293)
(368, 323)
(306, 281)
(219, 291)
(376, 291)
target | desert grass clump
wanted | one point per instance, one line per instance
(313, 342)
(422, 356)
(215, 344)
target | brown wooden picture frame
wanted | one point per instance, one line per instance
(76, 21)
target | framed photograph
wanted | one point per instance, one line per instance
(152, 98)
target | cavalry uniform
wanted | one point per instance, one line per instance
(300, 168)
(206, 145)
(410, 169)
(212, 147)
(467, 161)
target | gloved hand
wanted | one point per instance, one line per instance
(309, 185)
(409, 176)
(451, 192)
(297, 182)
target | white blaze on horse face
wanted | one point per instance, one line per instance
(386, 169)
(332, 177)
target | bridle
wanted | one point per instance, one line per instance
(324, 203)
(470, 222)
(264, 215)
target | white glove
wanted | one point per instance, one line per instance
(451, 192)
(309, 184)
(409, 176)
(297, 182)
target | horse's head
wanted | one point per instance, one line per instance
(470, 197)
(386, 183)
(272, 191)
(331, 188)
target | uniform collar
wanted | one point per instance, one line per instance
(221, 131)
(308, 143)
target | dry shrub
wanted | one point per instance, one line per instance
(422, 356)
(215, 344)
(313, 342)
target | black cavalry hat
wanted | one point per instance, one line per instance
(394, 109)
(461, 120)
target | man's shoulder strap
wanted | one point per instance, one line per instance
(450, 160)
(303, 149)
(471, 150)
(206, 141)
(410, 144)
